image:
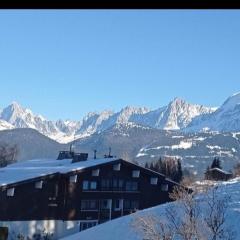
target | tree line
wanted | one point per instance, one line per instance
(170, 167)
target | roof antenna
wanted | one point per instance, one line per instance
(95, 154)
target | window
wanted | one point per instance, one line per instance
(53, 193)
(135, 173)
(89, 205)
(87, 224)
(120, 183)
(89, 185)
(106, 184)
(95, 172)
(39, 184)
(106, 203)
(93, 185)
(118, 204)
(117, 167)
(134, 204)
(85, 185)
(164, 187)
(130, 204)
(73, 179)
(126, 204)
(154, 180)
(131, 186)
(10, 192)
(117, 184)
(112, 184)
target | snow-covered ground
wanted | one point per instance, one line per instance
(122, 228)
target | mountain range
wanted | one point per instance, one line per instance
(177, 115)
(194, 133)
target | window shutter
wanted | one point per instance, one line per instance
(10, 192)
(136, 173)
(95, 172)
(164, 187)
(154, 180)
(117, 167)
(73, 179)
(38, 184)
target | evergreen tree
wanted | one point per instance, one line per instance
(158, 165)
(169, 167)
(146, 165)
(152, 166)
(179, 171)
(216, 163)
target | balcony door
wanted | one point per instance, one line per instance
(106, 208)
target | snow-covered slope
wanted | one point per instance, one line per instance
(225, 118)
(5, 125)
(123, 228)
(132, 141)
(31, 144)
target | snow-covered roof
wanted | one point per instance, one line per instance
(30, 169)
(219, 170)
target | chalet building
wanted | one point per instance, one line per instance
(217, 174)
(73, 193)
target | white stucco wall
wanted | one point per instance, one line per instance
(28, 228)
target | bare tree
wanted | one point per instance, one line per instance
(237, 170)
(8, 154)
(152, 227)
(185, 219)
(217, 215)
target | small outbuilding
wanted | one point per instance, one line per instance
(217, 174)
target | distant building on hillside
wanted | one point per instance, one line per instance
(217, 174)
(73, 193)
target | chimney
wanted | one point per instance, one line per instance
(79, 157)
(109, 154)
(64, 155)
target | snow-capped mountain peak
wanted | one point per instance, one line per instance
(177, 115)
(126, 113)
(225, 118)
(18, 116)
(180, 113)
(231, 102)
(177, 100)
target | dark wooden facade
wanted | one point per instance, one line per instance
(78, 195)
(217, 175)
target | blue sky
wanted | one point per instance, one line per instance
(65, 63)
